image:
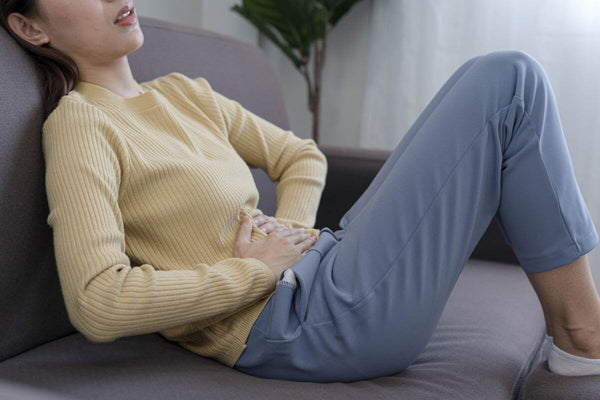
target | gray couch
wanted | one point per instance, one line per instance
(488, 344)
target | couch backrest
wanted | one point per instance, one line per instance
(32, 310)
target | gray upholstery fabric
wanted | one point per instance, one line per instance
(544, 385)
(13, 391)
(487, 336)
(31, 305)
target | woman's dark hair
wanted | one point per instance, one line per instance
(58, 72)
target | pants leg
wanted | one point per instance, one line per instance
(489, 145)
(401, 147)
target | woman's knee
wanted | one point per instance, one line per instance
(509, 61)
(506, 74)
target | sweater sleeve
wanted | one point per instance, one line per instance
(298, 165)
(107, 297)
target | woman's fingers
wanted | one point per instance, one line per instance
(297, 236)
(268, 227)
(243, 237)
(294, 236)
(267, 224)
(260, 219)
(263, 219)
(306, 244)
(291, 231)
(270, 224)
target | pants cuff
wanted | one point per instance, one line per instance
(560, 258)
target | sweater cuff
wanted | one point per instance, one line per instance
(289, 279)
(266, 270)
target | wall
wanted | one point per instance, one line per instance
(187, 12)
(207, 14)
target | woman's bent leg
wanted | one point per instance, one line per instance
(401, 147)
(493, 146)
(490, 145)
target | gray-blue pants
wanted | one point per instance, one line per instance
(490, 144)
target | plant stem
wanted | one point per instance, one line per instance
(314, 83)
(317, 91)
(306, 74)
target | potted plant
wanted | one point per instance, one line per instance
(299, 28)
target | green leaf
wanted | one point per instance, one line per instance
(339, 9)
(329, 4)
(258, 20)
(271, 14)
(300, 16)
(294, 25)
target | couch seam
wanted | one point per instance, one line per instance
(525, 369)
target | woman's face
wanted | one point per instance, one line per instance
(86, 30)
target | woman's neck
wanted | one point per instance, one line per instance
(115, 76)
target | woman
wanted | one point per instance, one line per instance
(155, 224)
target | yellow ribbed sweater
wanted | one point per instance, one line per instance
(146, 195)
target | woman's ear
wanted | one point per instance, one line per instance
(27, 29)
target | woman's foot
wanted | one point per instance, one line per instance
(571, 308)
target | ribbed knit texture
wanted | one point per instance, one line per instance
(146, 196)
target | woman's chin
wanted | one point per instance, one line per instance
(139, 42)
(140, 39)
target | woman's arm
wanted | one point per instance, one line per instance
(107, 297)
(298, 165)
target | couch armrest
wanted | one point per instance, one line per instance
(351, 170)
(349, 173)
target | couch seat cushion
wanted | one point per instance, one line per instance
(485, 344)
(542, 384)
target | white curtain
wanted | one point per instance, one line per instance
(415, 45)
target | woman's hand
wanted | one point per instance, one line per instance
(267, 224)
(281, 248)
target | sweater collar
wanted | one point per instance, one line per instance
(147, 98)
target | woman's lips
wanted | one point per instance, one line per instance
(128, 7)
(129, 20)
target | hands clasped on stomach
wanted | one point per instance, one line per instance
(281, 248)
